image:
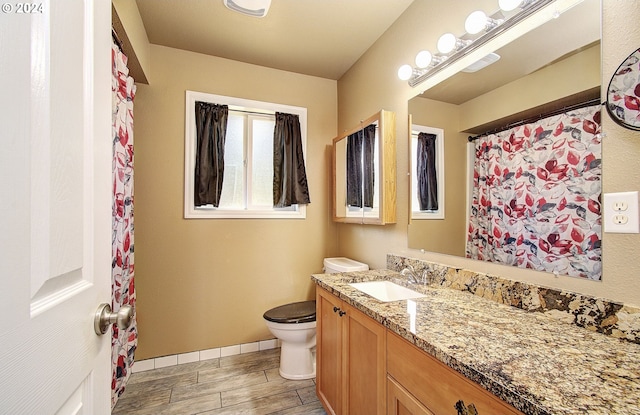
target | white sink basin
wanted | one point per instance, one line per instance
(386, 291)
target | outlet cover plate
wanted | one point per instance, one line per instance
(621, 212)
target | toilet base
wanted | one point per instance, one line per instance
(297, 363)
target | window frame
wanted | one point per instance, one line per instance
(190, 141)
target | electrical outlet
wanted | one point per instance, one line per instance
(620, 219)
(620, 205)
(621, 212)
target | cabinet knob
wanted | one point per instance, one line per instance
(463, 409)
(335, 309)
(342, 313)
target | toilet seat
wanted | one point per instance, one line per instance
(294, 313)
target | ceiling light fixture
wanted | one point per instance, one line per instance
(254, 8)
(480, 30)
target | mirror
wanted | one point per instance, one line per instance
(623, 93)
(364, 172)
(536, 74)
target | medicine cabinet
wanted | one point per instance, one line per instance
(364, 172)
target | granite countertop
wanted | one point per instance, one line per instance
(536, 363)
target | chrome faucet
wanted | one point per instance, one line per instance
(412, 275)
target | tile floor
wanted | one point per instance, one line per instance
(247, 384)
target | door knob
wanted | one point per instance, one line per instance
(104, 318)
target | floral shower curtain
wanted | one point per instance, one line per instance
(536, 196)
(124, 342)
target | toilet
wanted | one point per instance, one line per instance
(294, 324)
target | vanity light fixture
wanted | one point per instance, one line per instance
(424, 59)
(480, 30)
(478, 21)
(449, 42)
(508, 5)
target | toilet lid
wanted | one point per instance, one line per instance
(301, 312)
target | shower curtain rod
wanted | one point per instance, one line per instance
(539, 117)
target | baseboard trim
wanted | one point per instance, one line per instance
(200, 355)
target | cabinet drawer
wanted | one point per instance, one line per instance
(435, 385)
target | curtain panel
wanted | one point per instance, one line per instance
(426, 172)
(354, 169)
(361, 167)
(368, 164)
(289, 174)
(123, 342)
(536, 196)
(211, 130)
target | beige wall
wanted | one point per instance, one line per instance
(450, 230)
(206, 283)
(371, 84)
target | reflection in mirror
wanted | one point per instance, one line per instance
(426, 164)
(364, 172)
(623, 93)
(551, 67)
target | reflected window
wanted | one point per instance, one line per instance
(427, 172)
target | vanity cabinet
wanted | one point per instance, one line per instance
(351, 358)
(401, 402)
(362, 368)
(420, 384)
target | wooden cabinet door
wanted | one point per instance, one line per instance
(401, 402)
(329, 351)
(365, 368)
(437, 386)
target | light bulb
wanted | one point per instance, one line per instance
(476, 22)
(447, 43)
(405, 72)
(423, 59)
(508, 5)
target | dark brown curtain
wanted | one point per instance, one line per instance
(354, 169)
(360, 167)
(289, 174)
(211, 129)
(368, 171)
(426, 172)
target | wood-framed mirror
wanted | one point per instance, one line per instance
(364, 172)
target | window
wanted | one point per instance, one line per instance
(247, 189)
(416, 213)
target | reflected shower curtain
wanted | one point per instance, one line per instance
(536, 196)
(123, 342)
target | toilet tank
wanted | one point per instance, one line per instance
(341, 264)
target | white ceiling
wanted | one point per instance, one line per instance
(325, 38)
(321, 38)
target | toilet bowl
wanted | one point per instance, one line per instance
(294, 325)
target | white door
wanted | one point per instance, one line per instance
(55, 205)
